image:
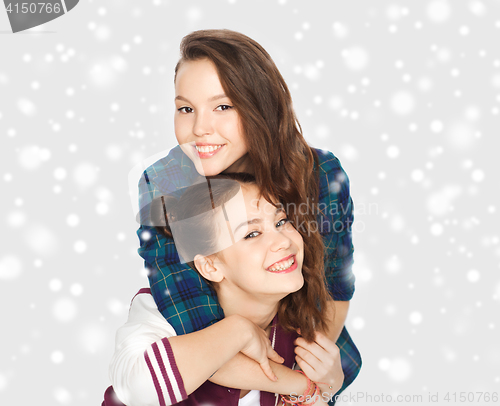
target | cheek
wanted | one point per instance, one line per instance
(181, 128)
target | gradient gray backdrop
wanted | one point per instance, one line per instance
(405, 93)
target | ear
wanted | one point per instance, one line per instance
(208, 268)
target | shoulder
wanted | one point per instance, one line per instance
(175, 160)
(333, 178)
(144, 321)
(328, 162)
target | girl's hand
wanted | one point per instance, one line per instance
(320, 361)
(258, 347)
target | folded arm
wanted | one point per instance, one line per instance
(152, 365)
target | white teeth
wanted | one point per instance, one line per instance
(209, 148)
(284, 265)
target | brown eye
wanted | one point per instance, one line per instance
(224, 107)
(282, 222)
(253, 234)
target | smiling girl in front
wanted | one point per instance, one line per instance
(268, 284)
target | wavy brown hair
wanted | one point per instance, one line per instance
(284, 165)
(297, 310)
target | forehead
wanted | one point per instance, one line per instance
(195, 72)
(255, 204)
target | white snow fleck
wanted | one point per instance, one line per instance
(102, 32)
(477, 8)
(449, 354)
(3, 382)
(76, 289)
(41, 240)
(417, 175)
(473, 275)
(27, 107)
(57, 357)
(55, 285)
(72, 220)
(439, 203)
(438, 11)
(437, 126)
(355, 58)
(311, 72)
(340, 30)
(85, 174)
(93, 338)
(349, 152)
(358, 323)
(415, 317)
(402, 103)
(16, 219)
(384, 364)
(477, 175)
(10, 267)
(60, 173)
(437, 229)
(64, 310)
(464, 30)
(32, 156)
(102, 208)
(62, 395)
(116, 307)
(194, 14)
(393, 264)
(472, 113)
(397, 222)
(80, 246)
(399, 370)
(392, 151)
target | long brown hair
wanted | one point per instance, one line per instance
(284, 165)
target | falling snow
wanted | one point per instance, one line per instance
(405, 94)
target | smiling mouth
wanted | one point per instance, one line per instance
(288, 264)
(208, 148)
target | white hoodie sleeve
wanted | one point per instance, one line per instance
(143, 369)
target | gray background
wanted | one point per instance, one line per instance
(405, 93)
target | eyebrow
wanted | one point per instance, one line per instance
(257, 220)
(211, 99)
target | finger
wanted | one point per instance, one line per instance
(325, 342)
(266, 368)
(306, 368)
(314, 348)
(309, 357)
(274, 356)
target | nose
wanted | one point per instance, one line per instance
(280, 241)
(202, 124)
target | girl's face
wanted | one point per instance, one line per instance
(266, 260)
(207, 126)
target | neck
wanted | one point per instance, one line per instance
(241, 165)
(259, 310)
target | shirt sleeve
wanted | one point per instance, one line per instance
(181, 294)
(335, 219)
(143, 371)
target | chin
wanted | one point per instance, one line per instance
(209, 170)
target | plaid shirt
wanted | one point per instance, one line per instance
(181, 294)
